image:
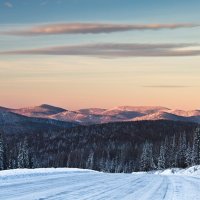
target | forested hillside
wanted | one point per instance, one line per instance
(112, 147)
(12, 123)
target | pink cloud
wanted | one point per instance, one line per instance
(113, 50)
(91, 28)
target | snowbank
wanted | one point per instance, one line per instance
(191, 171)
(40, 171)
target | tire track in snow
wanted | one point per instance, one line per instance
(95, 189)
(99, 186)
(41, 186)
(111, 191)
(193, 185)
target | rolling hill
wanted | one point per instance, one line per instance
(98, 115)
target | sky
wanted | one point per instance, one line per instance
(100, 53)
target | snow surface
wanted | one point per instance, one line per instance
(191, 171)
(72, 184)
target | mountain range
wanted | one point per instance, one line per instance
(35, 120)
(55, 115)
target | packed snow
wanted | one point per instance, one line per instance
(65, 183)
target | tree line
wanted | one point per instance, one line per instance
(113, 147)
(173, 152)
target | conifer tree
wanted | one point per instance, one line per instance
(90, 161)
(23, 158)
(172, 152)
(1, 153)
(182, 150)
(196, 148)
(146, 161)
(161, 158)
(188, 160)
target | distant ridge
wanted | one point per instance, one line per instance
(43, 111)
(12, 123)
(89, 116)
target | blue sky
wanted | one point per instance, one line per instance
(29, 11)
(22, 13)
(138, 69)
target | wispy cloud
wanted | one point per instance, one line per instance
(44, 3)
(8, 4)
(114, 50)
(167, 86)
(91, 28)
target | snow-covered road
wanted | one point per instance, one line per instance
(75, 184)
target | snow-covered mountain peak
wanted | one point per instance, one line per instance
(43, 110)
(91, 111)
(100, 115)
(137, 109)
(184, 113)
